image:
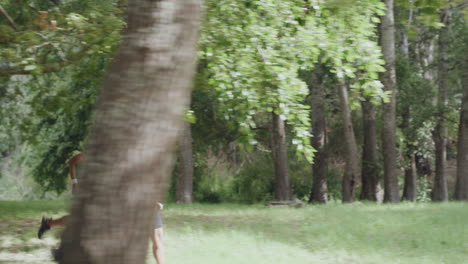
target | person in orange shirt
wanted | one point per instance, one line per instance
(48, 222)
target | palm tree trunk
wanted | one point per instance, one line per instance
(131, 144)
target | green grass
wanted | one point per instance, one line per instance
(353, 233)
(30, 209)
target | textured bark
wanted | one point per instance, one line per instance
(351, 173)
(439, 191)
(280, 158)
(184, 192)
(369, 172)
(319, 192)
(461, 185)
(388, 78)
(131, 144)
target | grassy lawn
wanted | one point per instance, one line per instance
(237, 234)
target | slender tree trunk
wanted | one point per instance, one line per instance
(409, 189)
(184, 192)
(369, 171)
(351, 173)
(131, 144)
(391, 189)
(280, 157)
(439, 191)
(319, 192)
(461, 185)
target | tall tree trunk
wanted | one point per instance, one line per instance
(184, 192)
(319, 192)
(391, 189)
(351, 173)
(131, 144)
(409, 189)
(280, 158)
(425, 50)
(369, 173)
(461, 185)
(439, 191)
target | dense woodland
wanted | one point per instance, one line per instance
(301, 99)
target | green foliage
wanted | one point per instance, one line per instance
(214, 186)
(53, 111)
(334, 179)
(63, 126)
(251, 58)
(424, 190)
(254, 182)
(78, 32)
(254, 51)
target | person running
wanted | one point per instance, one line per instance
(47, 222)
(157, 236)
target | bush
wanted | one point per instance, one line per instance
(423, 193)
(254, 183)
(334, 177)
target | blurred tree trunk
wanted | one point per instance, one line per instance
(424, 51)
(351, 173)
(439, 191)
(388, 78)
(131, 145)
(184, 192)
(369, 170)
(319, 192)
(461, 185)
(280, 158)
(409, 189)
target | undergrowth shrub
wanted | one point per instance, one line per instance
(423, 191)
(254, 182)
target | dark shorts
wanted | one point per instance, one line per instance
(158, 220)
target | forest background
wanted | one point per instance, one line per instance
(376, 100)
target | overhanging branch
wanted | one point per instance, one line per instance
(10, 20)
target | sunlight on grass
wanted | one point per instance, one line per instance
(31, 251)
(238, 248)
(360, 233)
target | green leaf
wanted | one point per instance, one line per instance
(30, 67)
